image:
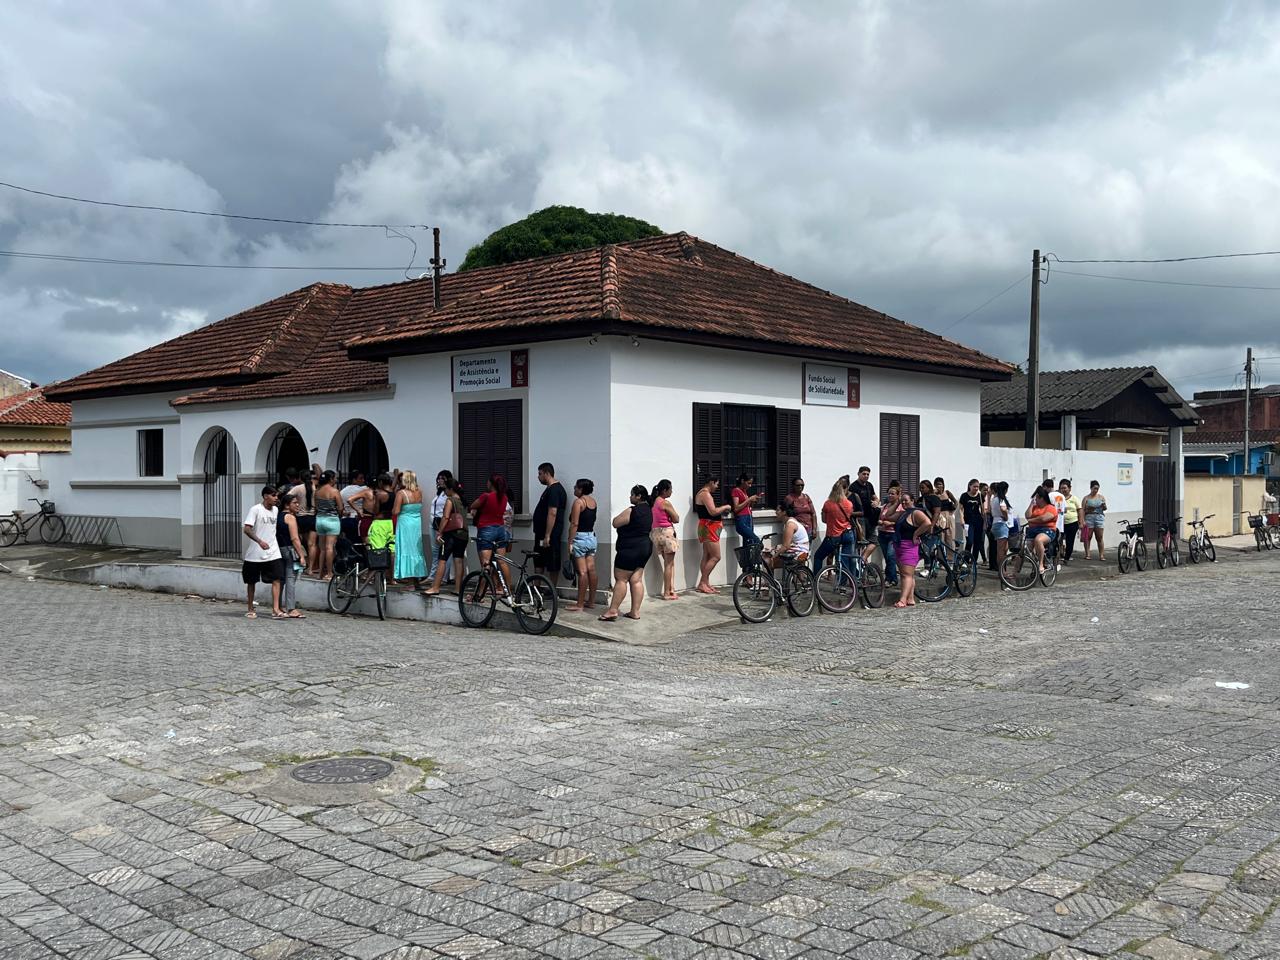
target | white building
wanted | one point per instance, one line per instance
(661, 358)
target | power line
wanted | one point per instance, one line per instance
(208, 213)
(1171, 283)
(1212, 256)
(985, 303)
(64, 258)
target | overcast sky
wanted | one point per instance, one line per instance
(908, 156)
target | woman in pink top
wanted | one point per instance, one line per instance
(663, 535)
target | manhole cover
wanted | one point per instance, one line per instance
(342, 770)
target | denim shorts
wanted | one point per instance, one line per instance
(492, 538)
(1000, 529)
(584, 545)
(328, 526)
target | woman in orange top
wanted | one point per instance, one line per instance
(1042, 523)
(837, 514)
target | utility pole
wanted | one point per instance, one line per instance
(1248, 396)
(437, 265)
(1032, 437)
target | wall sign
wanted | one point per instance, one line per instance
(829, 386)
(496, 370)
(1124, 474)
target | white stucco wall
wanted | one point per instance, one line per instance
(1023, 470)
(17, 471)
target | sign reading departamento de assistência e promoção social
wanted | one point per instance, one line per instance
(829, 386)
(494, 370)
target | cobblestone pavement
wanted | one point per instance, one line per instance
(999, 777)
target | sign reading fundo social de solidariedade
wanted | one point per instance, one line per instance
(829, 386)
(495, 370)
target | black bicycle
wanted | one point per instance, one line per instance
(849, 577)
(942, 569)
(532, 598)
(1261, 537)
(358, 571)
(51, 527)
(757, 592)
(1021, 567)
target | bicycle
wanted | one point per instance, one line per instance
(1021, 567)
(1261, 538)
(848, 578)
(1198, 542)
(1132, 550)
(757, 591)
(51, 527)
(942, 569)
(353, 576)
(1167, 545)
(533, 598)
(1273, 530)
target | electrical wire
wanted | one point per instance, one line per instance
(209, 213)
(1171, 283)
(985, 303)
(63, 258)
(1212, 256)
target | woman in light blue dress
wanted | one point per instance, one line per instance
(411, 564)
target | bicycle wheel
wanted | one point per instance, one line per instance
(380, 593)
(753, 596)
(1049, 575)
(965, 575)
(1018, 571)
(1174, 557)
(872, 588)
(1140, 555)
(1123, 557)
(836, 589)
(1210, 553)
(535, 604)
(343, 588)
(1193, 548)
(52, 528)
(797, 588)
(1162, 556)
(8, 532)
(1259, 538)
(476, 599)
(933, 577)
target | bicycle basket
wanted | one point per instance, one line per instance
(1255, 522)
(748, 555)
(1016, 538)
(46, 506)
(379, 559)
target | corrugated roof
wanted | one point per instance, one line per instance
(1079, 391)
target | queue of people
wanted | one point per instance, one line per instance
(429, 538)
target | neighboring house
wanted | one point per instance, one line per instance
(31, 429)
(1221, 452)
(1215, 481)
(668, 357)
(11, 383)
(1123, 409)
(1223, 410)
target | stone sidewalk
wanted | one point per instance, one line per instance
(1001, 777)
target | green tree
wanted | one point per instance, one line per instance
(555, 230)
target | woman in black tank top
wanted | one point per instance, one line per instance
(582, 544)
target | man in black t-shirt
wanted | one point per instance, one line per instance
(548, 523)
(864, 492)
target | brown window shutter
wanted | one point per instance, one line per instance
(491, 440)
(911, 451)
(786, 453)
(708, 443)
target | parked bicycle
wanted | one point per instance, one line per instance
(848, 578)
(532, 598)
(1261, 538)
(18, 525)
(1199, 543)
(1273, 530)
(758, 591)
(1132, 550)
(357, 572)
(1021, 567)
(942, 569)
(1167, 545)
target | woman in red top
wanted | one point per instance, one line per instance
(742, 504)
(1042, 523)
(488, 510)
(805, 512)
(837, 514)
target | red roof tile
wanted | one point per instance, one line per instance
(31, 409)
(329, 338)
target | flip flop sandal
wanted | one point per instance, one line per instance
(607, 619)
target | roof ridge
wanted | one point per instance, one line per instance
(269, 344)
(610, 288)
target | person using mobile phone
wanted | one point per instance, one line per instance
(743, 501)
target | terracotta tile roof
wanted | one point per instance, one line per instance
(31, 409)
(271, 338)
(675, 287)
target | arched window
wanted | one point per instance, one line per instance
(361, 448)
(287, 452)
(222, 519)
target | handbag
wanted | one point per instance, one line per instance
(455, 521)
(569, 571)
(379, 559)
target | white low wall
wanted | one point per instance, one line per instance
(1023, 470)
(15, 487)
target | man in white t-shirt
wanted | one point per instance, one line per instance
(351, 515)
(262, 552)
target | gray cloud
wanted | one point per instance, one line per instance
(907, 156)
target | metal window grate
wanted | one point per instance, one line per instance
(222, 518)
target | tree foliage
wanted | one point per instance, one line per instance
(555, 230)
